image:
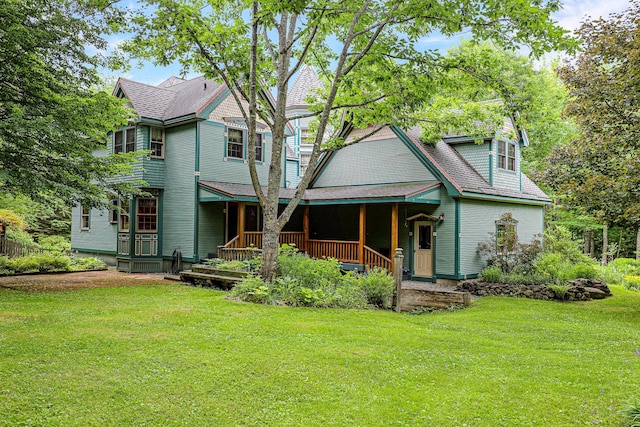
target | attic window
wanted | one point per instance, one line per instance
(507, 155)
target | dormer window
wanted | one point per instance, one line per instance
(507, 155)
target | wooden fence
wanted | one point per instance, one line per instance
(13, 249)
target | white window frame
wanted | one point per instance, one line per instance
(506, 160)
(159, 142)
(260, 137)
(113, 210)
(241, 143)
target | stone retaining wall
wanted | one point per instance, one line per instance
(581, 290)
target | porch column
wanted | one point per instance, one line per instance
(362, 232)
(241, 211)
(394, 230)
(305, 228)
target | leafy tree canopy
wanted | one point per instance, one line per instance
(51, 116)
(365, 50)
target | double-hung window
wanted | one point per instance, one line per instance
(85, 218)
(147, 215)
(157, 142)
(124, 141)
(235, 143)
(123, 224)
(259, 153)
(507, 155)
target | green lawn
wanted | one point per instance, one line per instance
(177, 355)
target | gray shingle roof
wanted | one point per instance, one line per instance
(464, 177)
(173, 98)
(331, 193)
(307, 81)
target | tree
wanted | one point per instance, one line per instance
(600, 172)
(365, 52)
(52, 118)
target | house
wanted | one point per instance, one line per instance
(436, 202)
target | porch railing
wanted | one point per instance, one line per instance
(254, 238)
(341, 250)
(376, 259)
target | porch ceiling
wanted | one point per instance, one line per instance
(413, 192)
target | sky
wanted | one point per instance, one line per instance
(570, 17)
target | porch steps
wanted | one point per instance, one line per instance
(205, 275)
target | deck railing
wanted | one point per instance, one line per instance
(341, 250)
(254, 238)
(376, 259)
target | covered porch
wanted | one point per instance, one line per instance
(362, 231)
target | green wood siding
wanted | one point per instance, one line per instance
(154, 172)
(505, 178)
(293, 172)
(179, 193)
(210, 227)
(214, 167)
(445, 240)
(101, 236)
(477, 155)
(477, 222)
(373, 162)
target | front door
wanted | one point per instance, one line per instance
(423, 249)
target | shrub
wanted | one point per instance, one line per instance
(628, 266)
(28, 264)
(58, 243)
(378, 287)
(560, 269)
(560, 291)
(631, 412)
(252, 289)
(610, 276)
(582, 271)
(524, 278)
(632, 283)
(491, 274)
(308, 272)
(89, 263)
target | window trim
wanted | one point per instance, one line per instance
(85, 214)
(260, 137)
(139, 215)
(113, 210)
(504, 158)
(123, 142)
(241, 143)
(160, 142)
(124, 212)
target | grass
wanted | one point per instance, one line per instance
(176, 355)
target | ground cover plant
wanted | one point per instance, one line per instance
(174, 355)
(303, 281)
(48, 263)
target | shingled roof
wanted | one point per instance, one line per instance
(171, 99)
(306, 82)
(464, 177)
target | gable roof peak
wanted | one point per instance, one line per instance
(171, 81)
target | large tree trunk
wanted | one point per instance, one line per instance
(605, 243)
(270, 244)
(638, 244)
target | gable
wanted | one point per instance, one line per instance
(382, 159)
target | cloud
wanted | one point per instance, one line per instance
(574, 12)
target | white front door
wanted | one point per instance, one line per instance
(423, 249)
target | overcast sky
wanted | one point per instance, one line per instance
(570, 17)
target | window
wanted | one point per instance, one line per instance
(124, 141)
(235, 145)
(157, 142)
(113, 210)
(506, 237)
(123, 224)
(258, 147)
(507, 155)
(424, 237)
(85, 215)
(147, 215)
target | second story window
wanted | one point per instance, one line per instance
(259, 157)
(235, 143)
(507, 155)
(157, 143)
(124, 141)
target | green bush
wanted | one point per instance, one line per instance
(491, 274)
(252, 289)
(610, 276)
(89, 263)
(628, 266)
(632, 283)
(58, 243)
(582, 271)
(631, 413)
(308, 272)
(524, 278)
(560, 291)
(28, 264)
(378, 286)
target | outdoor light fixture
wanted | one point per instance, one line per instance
(441, 217)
